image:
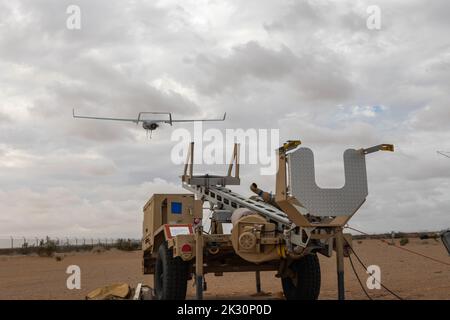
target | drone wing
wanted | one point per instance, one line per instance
(141, 114)
(194, 120)
(101, 118)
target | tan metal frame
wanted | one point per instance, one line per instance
(188, 176)
(290, 205)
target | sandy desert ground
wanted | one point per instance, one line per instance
(410, 276)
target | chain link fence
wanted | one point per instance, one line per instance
(66, 243)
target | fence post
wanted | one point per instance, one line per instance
(12, 243)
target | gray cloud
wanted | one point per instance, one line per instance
(314, 75)
(311, 69)
(4, 118)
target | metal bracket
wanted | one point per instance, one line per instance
(328, 202)
(207, 180)
(380, 147)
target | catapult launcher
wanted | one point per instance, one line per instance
(283, 232)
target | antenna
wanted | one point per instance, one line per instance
(444, 153)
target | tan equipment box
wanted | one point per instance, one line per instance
(162, 209)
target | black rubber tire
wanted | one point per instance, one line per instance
(171, 275)
(308, 279)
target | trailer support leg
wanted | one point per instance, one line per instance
(199, 287)
(199, 263)
(258, 281)
(340, 263)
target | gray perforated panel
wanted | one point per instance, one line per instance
(328, 202)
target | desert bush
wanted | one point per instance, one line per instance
(404, 241)
(98, 249)
(126, 245)
(47, 248)
(59, 256)
(84, 247)
(25, 249)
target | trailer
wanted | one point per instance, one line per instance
(283, 232)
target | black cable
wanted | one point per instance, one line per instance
(387, 289)
(401, 248)
(357, 277)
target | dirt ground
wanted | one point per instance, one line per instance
(410, 276)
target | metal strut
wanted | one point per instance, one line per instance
(226, 199)
(292, 220)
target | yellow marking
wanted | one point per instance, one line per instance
(387, 147)
(291, 144)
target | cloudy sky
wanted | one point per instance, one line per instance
(311, 69)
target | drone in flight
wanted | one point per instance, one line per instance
(150, 125)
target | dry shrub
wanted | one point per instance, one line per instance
(59, 257)
(98, 249)
(47, 248)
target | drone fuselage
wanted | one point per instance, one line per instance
(149, 125)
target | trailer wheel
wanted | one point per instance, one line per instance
(306, 286)
(171, 275)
